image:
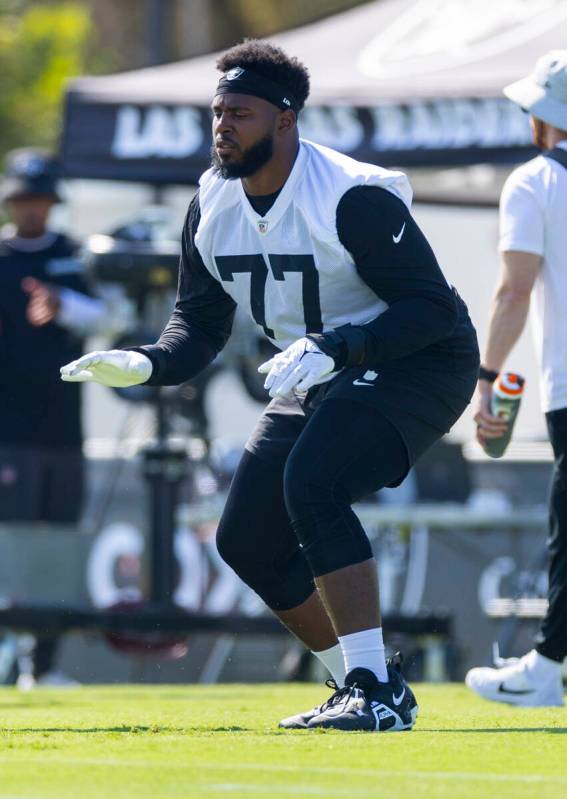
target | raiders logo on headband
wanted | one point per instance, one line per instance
(234, 73)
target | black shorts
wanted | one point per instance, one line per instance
(422, 406)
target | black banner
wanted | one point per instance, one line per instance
(170, 144)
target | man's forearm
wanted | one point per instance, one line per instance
(180, 354)
(507, 321)
(404, 328)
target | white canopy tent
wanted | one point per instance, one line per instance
(405, 82)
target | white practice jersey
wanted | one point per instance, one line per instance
(288, 269)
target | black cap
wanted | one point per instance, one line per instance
(29, 172)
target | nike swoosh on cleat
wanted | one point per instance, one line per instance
(398, 238)
(503, 690)
(399, 699)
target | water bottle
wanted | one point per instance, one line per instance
(506, 397)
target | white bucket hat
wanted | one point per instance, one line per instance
(544, 93)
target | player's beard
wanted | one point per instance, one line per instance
(252, 160)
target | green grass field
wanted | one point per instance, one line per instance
(171, 742)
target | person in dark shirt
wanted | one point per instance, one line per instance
(378, 360)
(45, 311)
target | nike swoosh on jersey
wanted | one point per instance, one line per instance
(397, 239)
(503, 690)
(361, 383)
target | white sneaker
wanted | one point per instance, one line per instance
(530, 681)
(25, 681)
(56, 679)
(51, 679)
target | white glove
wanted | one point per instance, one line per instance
(115, 368)
(301, 366)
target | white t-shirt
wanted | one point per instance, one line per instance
(533, 218)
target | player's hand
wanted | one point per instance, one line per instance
(114, 368)
(301, 366)
(44, 302)
(487, 425)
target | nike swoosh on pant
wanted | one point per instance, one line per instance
(361, 383)
(398, 238)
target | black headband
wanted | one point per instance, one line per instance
(244, 81)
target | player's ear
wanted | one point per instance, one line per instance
(287, 120)
(538, 133)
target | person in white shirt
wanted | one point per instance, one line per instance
(533, 246)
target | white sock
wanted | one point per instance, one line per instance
(365, 650)
(333, 660)
(542, 668)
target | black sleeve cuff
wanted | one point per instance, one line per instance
(151, 352)
(346, 345)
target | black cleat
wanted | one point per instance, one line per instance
(368, 705)
(301, 720)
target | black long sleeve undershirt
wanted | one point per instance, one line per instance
(201, 321)
(394, 259)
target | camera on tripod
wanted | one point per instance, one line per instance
(140, 261)
(141, 256)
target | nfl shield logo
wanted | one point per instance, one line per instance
(263, 225)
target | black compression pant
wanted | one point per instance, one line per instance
(288, 519)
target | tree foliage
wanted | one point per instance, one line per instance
(41, 47)
(43, 43)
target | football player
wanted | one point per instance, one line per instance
(378, 360)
